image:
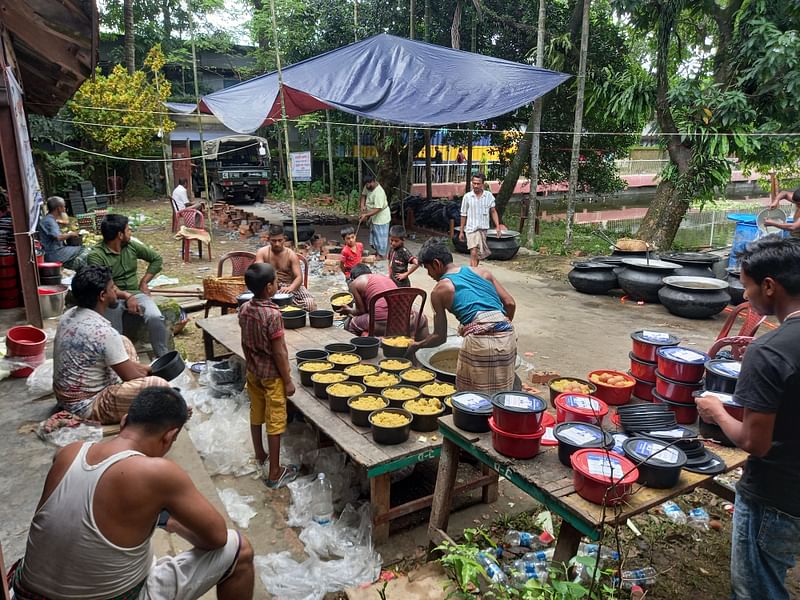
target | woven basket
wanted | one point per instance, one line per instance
(223, 289)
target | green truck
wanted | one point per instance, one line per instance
(238, 168)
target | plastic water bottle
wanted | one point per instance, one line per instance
(539, 555)
(698, 518)
(645, 577)
(523, 570)
(493, 570)
(528, 540)
(322, 503)
(674, 512)
(605, 552)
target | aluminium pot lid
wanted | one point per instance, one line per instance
(651, 264)
(504, 233)
(695, 284)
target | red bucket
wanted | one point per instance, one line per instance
(513, 444)
(602, 477)
(676, 391)
(25, 340)
(31, 361)
(613, 394)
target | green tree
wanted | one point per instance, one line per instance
(124, 113)
(713, 92)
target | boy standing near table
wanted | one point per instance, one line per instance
(351, 252)
(399, 257)
(269, 380)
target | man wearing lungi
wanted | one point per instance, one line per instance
(484, 308)
(476, 207)
(375, 208)
(287, 268)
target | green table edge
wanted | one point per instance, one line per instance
(534, 492)
(405, 461)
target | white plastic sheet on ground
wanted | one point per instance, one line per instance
(223, 438)
(40, 382)
(237, 506)
(351, 538)
(66, 435)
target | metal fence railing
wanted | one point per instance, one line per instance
(640, 166)
(452, 172)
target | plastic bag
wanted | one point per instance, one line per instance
(223, 439)
(342, 474)
(237, 506)
(299, 512)
(40, 382)
(66, 435)
(351, 532)
(225, 377)
(296, 443)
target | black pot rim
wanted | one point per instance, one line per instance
(606, 436)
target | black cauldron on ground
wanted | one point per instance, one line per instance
(305, 229)
(503, 248)
(694, 297)
(735, 287)
(641, 278)
(693, 264)
(593, 277)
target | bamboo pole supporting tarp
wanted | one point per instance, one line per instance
(284, 119)
(209, 200)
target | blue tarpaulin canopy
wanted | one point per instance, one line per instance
(389, 79)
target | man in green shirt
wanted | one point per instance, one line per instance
(119, 252)
(375, 207)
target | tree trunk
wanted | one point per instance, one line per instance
(512, 176)
(578, 126)
(412, 11)
(130, 48)
(533, 198)
(166, 14)
(473, 48)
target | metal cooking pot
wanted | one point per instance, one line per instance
(641, 278)
(593, 277)
(694, 297)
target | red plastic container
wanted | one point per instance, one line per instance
(7, 272)
(39, 259)
(640, 369)
(25, 340)
(602, 477)
(514, 444)
(580, 407)
(613, 395)
(646, 343)
(32, 362)
(8, 260)
(11, 301)
(685, 414)
(681, 364)
(676, 391)
(643, 390)
(10, 284)
(518, 412)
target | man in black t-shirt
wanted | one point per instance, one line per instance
(766, 518)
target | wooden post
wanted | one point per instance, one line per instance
(443, 494)
(380, 492)
(569, 538)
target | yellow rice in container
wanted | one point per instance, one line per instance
(342, 300)
(438, 389)
(361, 370)
(400, 393)
(398, 341)
(368, 403)
(334, 377)
(424, 406)
(418, 375)
(381, 380)
(315, 366)
(343, 390)
(340, 358)
(389, 419)
(394, 364)
(290, 308)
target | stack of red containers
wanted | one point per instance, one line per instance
(10, 288)
(643, 360)
(678, 376)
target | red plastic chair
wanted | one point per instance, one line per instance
(738, 344)
(194, 219)
(175, 225)
(304, 269)
(752, 321)
(239, 261)
(400, 303)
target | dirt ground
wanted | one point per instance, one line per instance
(691, 563)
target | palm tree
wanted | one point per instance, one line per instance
(130, 50)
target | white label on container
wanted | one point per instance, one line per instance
(657, 451)
(581, 402)
(730, 368)
(724, 398)
(673, 433)
(473, 402)
(687, 355)
(604, 466)
(548, 435)
(580, 435)
(656, 336)
(517, 402)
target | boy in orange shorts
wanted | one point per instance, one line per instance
(269, 380)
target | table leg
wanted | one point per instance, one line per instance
(380, 492)
(489, 492)
(445, 482)
(208, 345)
(569, 538)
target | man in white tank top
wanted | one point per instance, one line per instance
(90, 536)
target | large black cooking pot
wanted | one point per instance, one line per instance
(593, 277)
(693, 264)
(641, 278)
(735, 287)
(503, 248)
(694, 297)
(305, 229)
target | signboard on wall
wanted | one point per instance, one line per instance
(30, 183)
(300, 166)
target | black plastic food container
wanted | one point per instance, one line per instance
(305, 376)
(659, 464)
(575, 435)
(294, 319)
(722, 375)
(168, 366)
(391, 435)
(340, 347)
(359, 416)
(339, 403)
(313, 354)
(424, 422)
(471, 411)
(320, 387)
(366, 347)
(320, 318)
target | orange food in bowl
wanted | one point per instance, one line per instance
(611, 379)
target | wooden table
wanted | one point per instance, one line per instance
(545, 479)
(378, 460)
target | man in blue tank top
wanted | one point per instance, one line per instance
(484, 308)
